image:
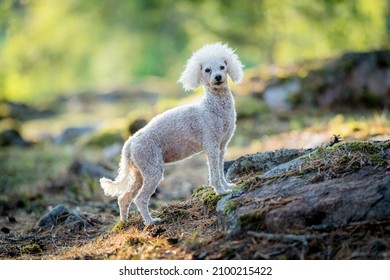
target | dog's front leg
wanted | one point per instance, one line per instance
(221, 167)
(213, 156)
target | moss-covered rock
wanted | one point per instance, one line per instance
(335, 159)
(333, 184)
(208, 195)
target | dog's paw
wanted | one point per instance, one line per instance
(222, 191)
(230, 185)
(152, 221)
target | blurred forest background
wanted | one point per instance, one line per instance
(78, 77)
(87, 74)
(50, 48)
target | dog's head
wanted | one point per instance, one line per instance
(210, 66)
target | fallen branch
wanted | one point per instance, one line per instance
(302, 237)
(289, 237)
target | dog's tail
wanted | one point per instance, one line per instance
(123, 181)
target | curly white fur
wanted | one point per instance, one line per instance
(176, 134)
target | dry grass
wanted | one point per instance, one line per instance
(129, 243)
(184, 227)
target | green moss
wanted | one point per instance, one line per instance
(371, 151)
(377, 159)
(231, 205)
(343, 148)
(241, 186)
(366, 147)
(172, 213)
(208, 195)
(345, 157)
(119, 226)
(31, 249)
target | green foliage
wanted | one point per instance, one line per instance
(55, 47)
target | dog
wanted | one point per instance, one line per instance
(179, 133)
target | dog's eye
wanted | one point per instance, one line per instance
(222, 67)
(208, 70)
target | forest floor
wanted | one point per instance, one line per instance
(36, 179)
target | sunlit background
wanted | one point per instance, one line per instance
(77, 78)
(50, 48)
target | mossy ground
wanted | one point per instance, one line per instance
(344, 157)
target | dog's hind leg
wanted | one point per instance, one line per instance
(125, 199)
(151, 178)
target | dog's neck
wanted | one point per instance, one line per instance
(220, 96)
(218, 90)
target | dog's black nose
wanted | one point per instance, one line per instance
(218, 78)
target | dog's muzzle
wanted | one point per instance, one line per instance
(218, 79)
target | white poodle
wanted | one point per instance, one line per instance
(176, 134)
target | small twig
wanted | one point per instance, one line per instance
(301, 238)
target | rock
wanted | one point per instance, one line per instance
(11, 137)
(112, 151)
(54, 216)
(356, 79)
(82, 168)
(11, 220)
(5, 230)
(62, 215)
(72, 133)
(21, 111)
(111, 96)
(277, 95)
(227, 164)
(329, 187)
(77, 221)
(262, 161)
(130, 94)
(280, 169)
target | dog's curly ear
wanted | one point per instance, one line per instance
(191, 77)
(234, 66)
